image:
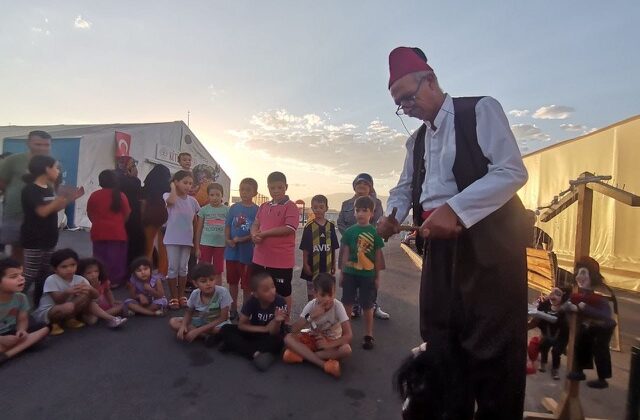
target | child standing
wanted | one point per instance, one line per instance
(258, 335)
(362, 187)
(208, 307)
(329, 335)
(179, 240)
(93, 270)
(319, 243)
(274, 236)
(67, 296)
(239, 251)
(210, 241)
(362, 261)
(39, 231)
(16, 334)
(145, 289)
(108, 209)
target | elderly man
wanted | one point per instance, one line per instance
(460, 178)
(11, 171)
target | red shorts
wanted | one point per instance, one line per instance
(308, 340)
(213, 255)
(238, 273)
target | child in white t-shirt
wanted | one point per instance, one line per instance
(207, 308)
(67, 297)
(323, 334)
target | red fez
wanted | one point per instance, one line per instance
(403, 61)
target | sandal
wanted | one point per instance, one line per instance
(367, 344)
(174, 304)
(183, 302)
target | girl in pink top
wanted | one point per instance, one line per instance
(93, 270)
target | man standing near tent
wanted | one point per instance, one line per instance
(460, 177)
(12, 170)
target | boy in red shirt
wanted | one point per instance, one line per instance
(274, 234)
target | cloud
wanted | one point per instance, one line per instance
(553, 112)
(525, 132)
(573, 127)
(81, 23)
(318, 145)
(519, 112)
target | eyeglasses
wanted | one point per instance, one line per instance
(408, 100)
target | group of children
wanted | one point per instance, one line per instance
(258, 246)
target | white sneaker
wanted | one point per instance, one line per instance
(380, 314)
(116, 322)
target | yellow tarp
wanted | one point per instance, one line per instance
(615, 229)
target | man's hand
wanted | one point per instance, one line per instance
(388, 226)
(441, 224)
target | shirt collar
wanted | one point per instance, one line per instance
(445, 110)
(283, 201)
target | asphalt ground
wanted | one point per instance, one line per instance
(142, 371)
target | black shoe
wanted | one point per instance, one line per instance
(576, 376)
(598, 384)
(555, 375)
(212, 340)
(367, 344)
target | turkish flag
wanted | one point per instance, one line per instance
(123, 143)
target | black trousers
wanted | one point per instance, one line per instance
(592, 345)
(475, 314)
(246, 344)
(557, 345)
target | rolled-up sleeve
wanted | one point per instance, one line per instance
(400, 196)
(506, 174)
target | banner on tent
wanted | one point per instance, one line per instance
(123, 144)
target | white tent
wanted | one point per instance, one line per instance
(86, 150)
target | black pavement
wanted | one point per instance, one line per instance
(142, 371)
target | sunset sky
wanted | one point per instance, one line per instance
(301, 86)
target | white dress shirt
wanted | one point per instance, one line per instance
(505, 177)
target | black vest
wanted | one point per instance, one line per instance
(504, 231)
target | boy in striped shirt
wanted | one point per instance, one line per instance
(319, 243)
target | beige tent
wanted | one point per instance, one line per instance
(615, 234)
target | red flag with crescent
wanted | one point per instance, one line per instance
(123, 144)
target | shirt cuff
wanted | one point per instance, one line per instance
(464, 217)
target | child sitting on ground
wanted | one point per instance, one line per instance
(258, 335)
(93, 270)
(207, 307)
(319, 243)
(17, 333)
(67, 296)
(145, 289)
(328, 335)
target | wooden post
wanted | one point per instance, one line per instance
(583, 229)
